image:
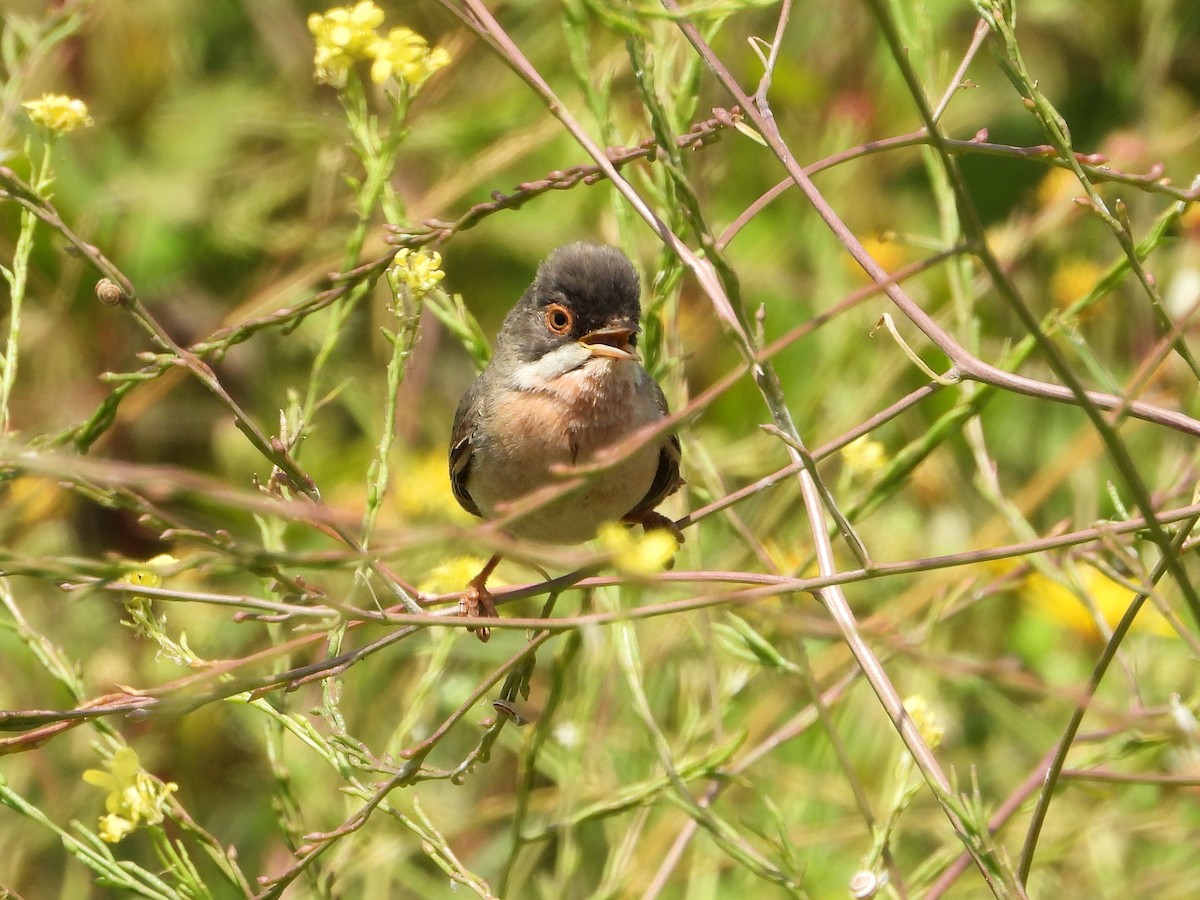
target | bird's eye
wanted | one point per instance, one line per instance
(558, 318)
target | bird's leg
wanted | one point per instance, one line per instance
(477, 599)
(651, 519)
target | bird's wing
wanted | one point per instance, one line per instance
(666, 477)
(465, 418)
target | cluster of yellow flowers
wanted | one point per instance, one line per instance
(864, 458)
(928, 723)
(932, 730)
(346, 35)
(405, 54)
(419, 272)
(135, 797)
(637, 555)
(58, 112)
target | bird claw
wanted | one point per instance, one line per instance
(477, 603)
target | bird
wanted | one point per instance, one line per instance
(564, 384)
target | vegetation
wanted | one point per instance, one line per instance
(920, 280)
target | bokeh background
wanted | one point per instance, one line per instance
(216, 178)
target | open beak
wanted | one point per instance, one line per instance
(614, 342)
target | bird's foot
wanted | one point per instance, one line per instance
(477, 601)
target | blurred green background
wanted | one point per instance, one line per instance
(215, 177)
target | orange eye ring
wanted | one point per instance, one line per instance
(558, 319)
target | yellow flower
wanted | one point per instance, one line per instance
(453, 574)
(114, 828)
(406, 55)
(423, 492)
(788, 559)
(645, 555)
(344, 35)
(418, 272)
(1189, 222)
(890, 255)
(926, 720)
(33, 501)
(148, 576)
(58, 112)
(1056, 602)
(1058, 188)
(931, 729)
(1073, 280)
(135, 797)
(864, 458)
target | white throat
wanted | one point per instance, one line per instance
(537, 375)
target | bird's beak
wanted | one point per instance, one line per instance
(614, 342)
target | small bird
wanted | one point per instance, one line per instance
(564, 384)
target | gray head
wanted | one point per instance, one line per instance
(583, 292)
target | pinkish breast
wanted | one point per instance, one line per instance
(568, 423)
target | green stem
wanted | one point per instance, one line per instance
(18, 280)
(378, 155)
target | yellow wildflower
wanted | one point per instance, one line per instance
(142, 578)
(417, 271)
(864, 458)
(904, 785)
(453, 574)
(344, 35)
(1058, 188)
(406, 55)
(1056, 602)
(424, 493)
(787, 558)
(58, 112)
(887, 252)
(926, 720)
(932, 731)
(1189, 222)
(150, 575)
(646, 554)
(34, 501)
(135, 797)
(113, 828)
(1073, 280)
